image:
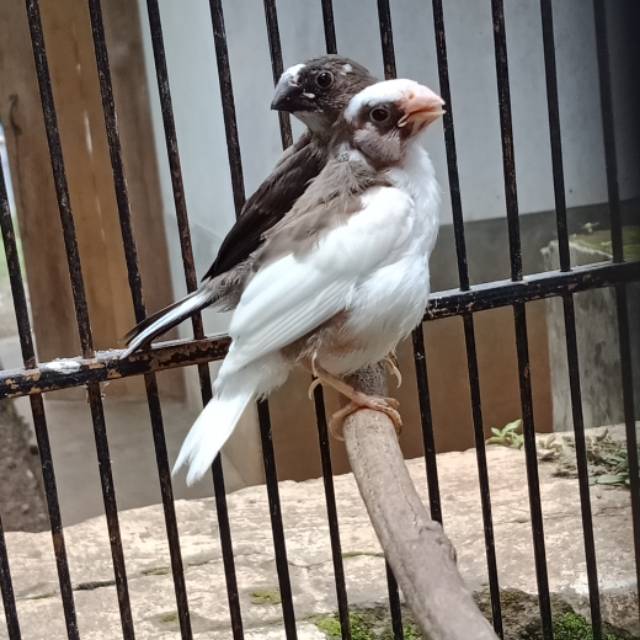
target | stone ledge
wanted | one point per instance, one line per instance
(303, 506)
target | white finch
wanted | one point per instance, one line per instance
(344, 276)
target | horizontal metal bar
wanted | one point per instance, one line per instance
(74, 372)
(548, 284)
(106, 365)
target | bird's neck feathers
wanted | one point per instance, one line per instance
(318, 123)
(380, 153)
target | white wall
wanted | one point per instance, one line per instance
(193, 77)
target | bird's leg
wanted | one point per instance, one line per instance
(391, 362)
(358, 400)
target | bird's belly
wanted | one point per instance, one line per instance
(384, 309)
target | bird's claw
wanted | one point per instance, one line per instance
(393, 367)
(388, 406)
(312, 387)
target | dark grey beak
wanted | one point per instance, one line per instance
(288, 96)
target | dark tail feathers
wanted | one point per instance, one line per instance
(161, 321)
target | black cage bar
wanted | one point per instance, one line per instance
(94, 368)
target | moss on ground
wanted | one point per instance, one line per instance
(375, 624)
(266, 596)
(368, 624)
(572, 626)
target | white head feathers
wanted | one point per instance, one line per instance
(383, 92)
(292, 73)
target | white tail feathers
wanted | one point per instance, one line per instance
(233, 393)
(210, 431)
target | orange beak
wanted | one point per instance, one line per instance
(421, 108)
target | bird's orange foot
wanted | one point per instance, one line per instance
(388, 406)
(393, 367)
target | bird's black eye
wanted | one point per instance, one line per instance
(379, 115)
(324, 79)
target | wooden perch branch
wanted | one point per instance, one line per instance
(421, 556)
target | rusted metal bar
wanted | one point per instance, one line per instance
(82, 312)
(622, 305)
(329, 26)
(445, 304)
(135, 286)
(37, 404)
(323, 432)
(467, 317)
(275, 50)
(107, 365)
(6, 589)
(573, 365)
(264, 419)
(519, 316)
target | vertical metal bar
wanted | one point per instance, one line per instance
(329, 26)
(228, 103)
(524, 373)
(59, 176)
(467, 318)
(506, 135)
(275, 50)
(323, 434)
(386, 38)
(276, 522)
(18, 294)
(111, 509)
(389, 61)
(82, 314)
(533, 481)
(263, 410)
(55, 519)
(582, 464)
(551, 77)
(394, 604)
(135, 286)
(332, 514)
(450, 144)
(608, 129)
(189, 267)
(37, 410)
(115, 156)
(6, 588)
(428, 438)
(483, 473)
(237, 183)
(626, 370)
(548, 37)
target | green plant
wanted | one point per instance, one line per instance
(607, 458)
(572, 626)
(508, 436)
